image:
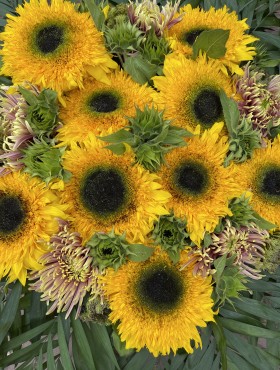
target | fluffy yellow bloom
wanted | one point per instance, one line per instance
(157, 305)
(53, 46)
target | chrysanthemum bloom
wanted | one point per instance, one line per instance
(189, 91)
(15, 130)
(99, 107)
(106, 190)
(199, 183)
(195, 21)
(158, 306)
(260, 99)
(261, 176)
(247, 243)
(147, 15)
(202, 260)
(27, 219)
(54, 46)
(67, 274)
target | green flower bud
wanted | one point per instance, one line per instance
(42, 110)
(96, 310)
(117, 15)
(170, 233)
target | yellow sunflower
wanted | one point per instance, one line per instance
(199, 183)
(183, 34)
(27, 218)
(261, 176)
(107, 191)
(53, 46)
(99, 107)
(157, 305)
(189, 91)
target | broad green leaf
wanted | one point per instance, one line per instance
(194, 359)
(220, 338)
(96, 13)
(30, 334)
(258, 309)
(64, 351)
(268, 38)
(117, 137)
(141, 360)
(118, 149)
(262, 223)
(248, 10)
(230, 111)
(101, 347)
(82, 343)
(28, 96)
(23, 354)
(139, 252)
(8, 314)
(40, 361)
(246, 329)
(212, 42)
(238, 361)
(139, 69)
(220, 264)
(50, 355)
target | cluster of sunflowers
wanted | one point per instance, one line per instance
(140, 167)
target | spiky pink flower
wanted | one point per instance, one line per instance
(259, 99)
(68, 273)
(147, 15)
(15, 130)
(247, 243)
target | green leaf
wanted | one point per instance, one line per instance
(258, 309)
(50, 355)
(96, 13)
(28, 96)
(24, 354)
(220, 338)
(8, 314)
(268, 38)
(64, 351)
(220, 264)
(101, 346)
(212, 42)
(120, 346)
(141, 360)
(139, 252)
(28, 335)
(117, 137)
(262, 223)
(207, 240)
(139, 69)
(118, 149)
(246, 329)
(230, 111)
(82, 344)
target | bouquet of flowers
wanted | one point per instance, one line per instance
(140, 185)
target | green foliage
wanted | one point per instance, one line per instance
(96, 311)
(170, 233)
(43, 160)
(212, 42)
(117, 15)
(243, 138)
(111, 250)
(150, 137)
(272, 253)
(228, 279)
(243, 214)
(95, 9)
(42, 111)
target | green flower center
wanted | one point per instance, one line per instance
(190, 37)
(12, 214)
(191, 178)
(207, 107)
(104, 102)
(104, 192)
(49, 38)
(270, 184)
(160, 288)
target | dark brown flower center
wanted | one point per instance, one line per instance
(12, 214)
(207, 107)
(49, 38)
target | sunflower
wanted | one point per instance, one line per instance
(99, 107)
(106, 191)
(189, 91)
(53, 46)
(183, 35)
(27, 218)
(157, 305)
(261, 176)
(199, 183)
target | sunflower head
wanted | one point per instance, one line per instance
(157, 305)
(196, 20)
(54, 46)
